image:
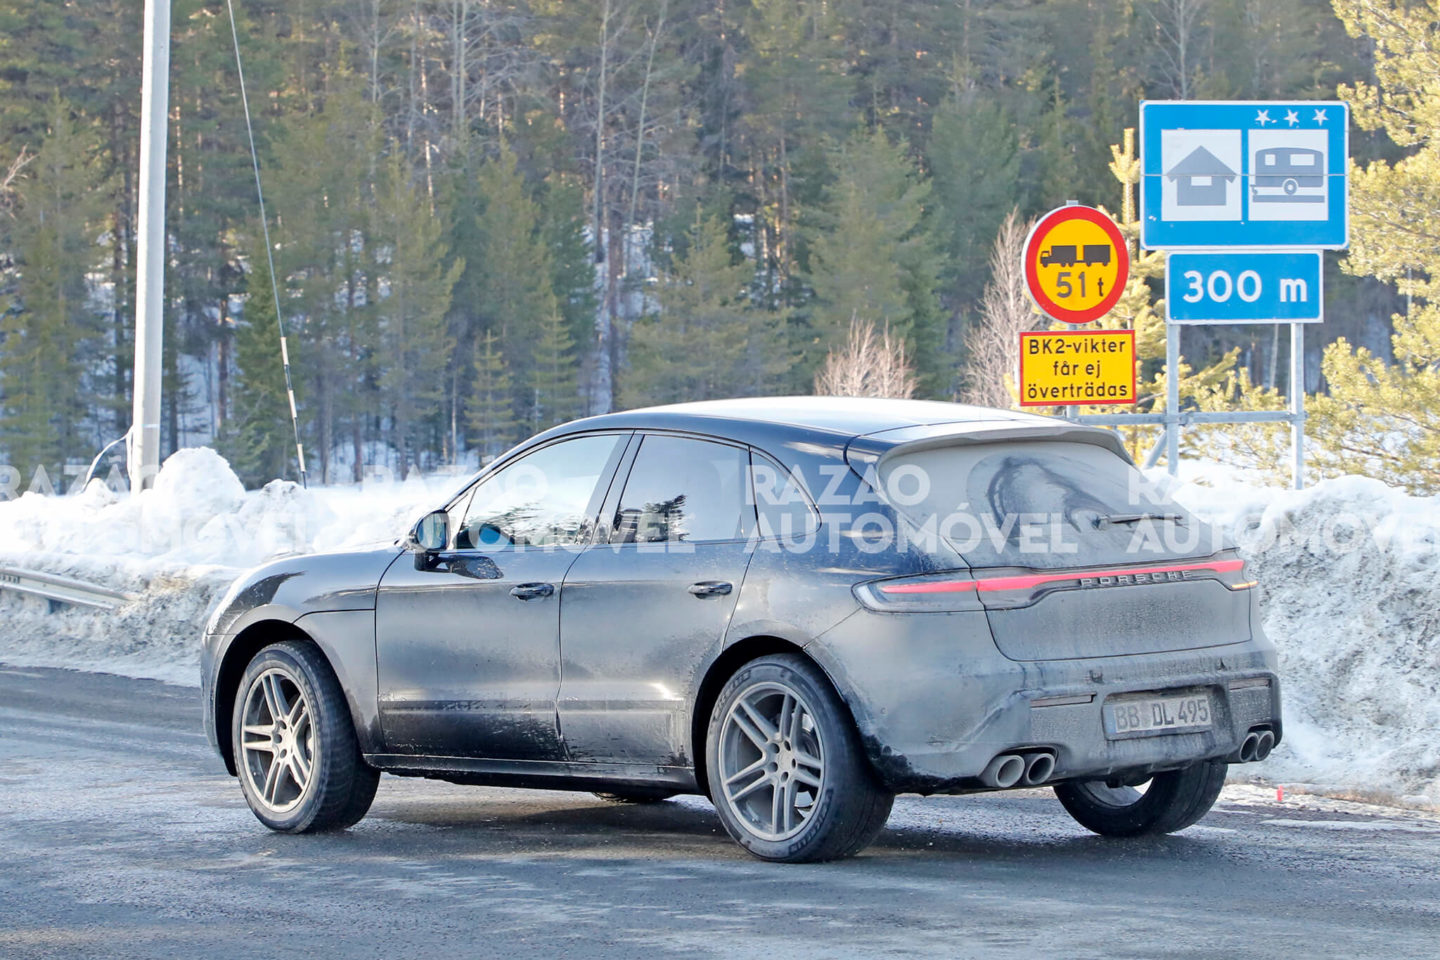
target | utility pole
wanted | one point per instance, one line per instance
(144, 444)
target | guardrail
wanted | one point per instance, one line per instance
(58, 589)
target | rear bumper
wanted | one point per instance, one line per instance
(935, 701)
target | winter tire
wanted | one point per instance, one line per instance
(295, 747)
(786, 771)
(1174, 800)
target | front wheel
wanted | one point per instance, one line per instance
(1171, 801)
(295, 746)
(786, 770)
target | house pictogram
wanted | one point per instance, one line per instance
(1201, 180)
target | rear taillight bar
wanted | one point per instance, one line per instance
(950, 593)
(986, 584)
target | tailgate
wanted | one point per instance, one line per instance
(1113, 612)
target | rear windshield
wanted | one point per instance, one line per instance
(1040, 505)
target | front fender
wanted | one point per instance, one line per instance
(291, 588)
(295, 591)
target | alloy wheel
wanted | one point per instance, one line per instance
(772, 761)
(278, 740)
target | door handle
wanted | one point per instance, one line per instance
(532, 591)
(711, 588)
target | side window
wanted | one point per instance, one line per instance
(682, 490)
(784, 509)
(540, 500)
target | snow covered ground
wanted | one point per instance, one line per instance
(1348, 570)
(1349, 573)
(175, 548)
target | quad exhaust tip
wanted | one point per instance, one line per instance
(1038, 768)
(1014, 769)
(1257, 745)
(1004, 771)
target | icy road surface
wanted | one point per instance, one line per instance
(120, 836)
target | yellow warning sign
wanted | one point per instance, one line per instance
(1073, 367)
(1076, 264)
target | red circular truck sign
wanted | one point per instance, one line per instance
(1076, 264)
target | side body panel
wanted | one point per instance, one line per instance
(633, 639)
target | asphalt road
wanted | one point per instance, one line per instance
(121, 836)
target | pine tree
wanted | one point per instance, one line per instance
(1385, 419)
(572, 257)
(798, 97)
(874, 257)
(491, 400)
(552, 385)
(258, 439)
(974, 160)
(330, 233)
(1057, 152)
(412, 313)
(51, 328)
(695, 345)
(514, 280)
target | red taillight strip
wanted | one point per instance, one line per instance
(1038, 579)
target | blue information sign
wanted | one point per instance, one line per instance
(1244, 174)
(1244, 287)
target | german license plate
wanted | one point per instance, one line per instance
(1156, 715)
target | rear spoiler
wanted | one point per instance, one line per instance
(866, 451)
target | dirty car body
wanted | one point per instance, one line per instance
(975, 585)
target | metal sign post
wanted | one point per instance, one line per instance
(1297, 405)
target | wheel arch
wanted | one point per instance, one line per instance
(247, 643)
(731, 659)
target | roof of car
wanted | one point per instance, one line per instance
(840, 416)
(853, 427)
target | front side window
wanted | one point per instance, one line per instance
(683, 490)
(541, 500)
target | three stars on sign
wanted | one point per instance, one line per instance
(1292, 117)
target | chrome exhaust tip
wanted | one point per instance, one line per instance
(1264, 743)
(1004, 771)
(1038, 768)
(1248, 748)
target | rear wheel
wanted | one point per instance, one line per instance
(295, 746)
(786, 770)
(1171, 801)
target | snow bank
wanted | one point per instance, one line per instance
(175, 548)
(1348, 573)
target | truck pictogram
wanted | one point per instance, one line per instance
(1069, 255)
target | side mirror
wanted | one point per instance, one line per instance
(432, 533)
